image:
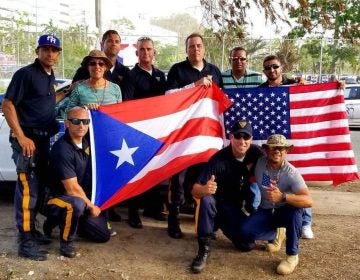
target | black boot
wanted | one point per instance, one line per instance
(40, 238)
(199, 262)
(174, 229)
(113, 216)
(134, 218)
(67, 249)
(28, 248)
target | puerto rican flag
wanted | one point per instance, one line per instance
(138, 144)
(312, 116)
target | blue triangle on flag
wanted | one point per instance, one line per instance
(109, 137)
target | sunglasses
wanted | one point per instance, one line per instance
(277, 148)
(237, 58)
(271, 66)
(94, 63)
(79, 121)
(242, 135)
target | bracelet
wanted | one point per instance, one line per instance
(283, 197)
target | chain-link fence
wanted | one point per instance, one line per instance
(309, 57)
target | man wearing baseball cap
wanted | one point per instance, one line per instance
(284, 194)
(223, 191)
(29, 109)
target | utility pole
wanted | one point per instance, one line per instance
(98, 18)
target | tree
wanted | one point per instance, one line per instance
(339, 16)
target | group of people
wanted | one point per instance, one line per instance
(57, 181)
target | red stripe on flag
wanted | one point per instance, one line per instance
(156, 176)
(320, 133)
(319, 118)
(323, 162)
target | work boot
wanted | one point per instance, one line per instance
(174, 229)
(113, 216)
(134, 218)
(288, 265)
(40, 238)
(275, 246)
(67, 249)
(28, 248)
(199, 262)
(48, 228)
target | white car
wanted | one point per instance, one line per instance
(7, 166)
(352, 102)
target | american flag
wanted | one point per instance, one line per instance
(312, 116)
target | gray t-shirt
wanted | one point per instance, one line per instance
(289, 180)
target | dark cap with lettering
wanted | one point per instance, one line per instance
(49, 40)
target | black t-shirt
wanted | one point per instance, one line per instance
(285, 82)
(68, 161)
(232, 176)
(182, 74)
(32, 92)
(146, 84)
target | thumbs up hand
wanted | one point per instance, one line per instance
(211, 186)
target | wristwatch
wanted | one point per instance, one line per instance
(283, 197)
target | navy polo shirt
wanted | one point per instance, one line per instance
(68, 161)
(182, 74)
(231, 175)
(120, 76)
(32, 91)
(146, 84)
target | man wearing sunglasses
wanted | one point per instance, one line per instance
(273, 71)
(284, 194)
(223, 192)
(239, 76)
(69, 206)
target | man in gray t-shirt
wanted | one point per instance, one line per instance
(284, 194)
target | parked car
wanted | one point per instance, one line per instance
(7, 166)
(352, 102)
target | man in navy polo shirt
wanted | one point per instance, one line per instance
(29, 109)
(69, 205)
(148, 82)
(194, 71)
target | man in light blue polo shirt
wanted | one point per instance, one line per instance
(238, 76)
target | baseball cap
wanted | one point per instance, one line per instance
(49, 40)
(277, 140)
(241, 126)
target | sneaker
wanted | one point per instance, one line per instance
(307, 232)
(275, 246)
(288, 265)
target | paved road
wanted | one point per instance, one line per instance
(355, 140)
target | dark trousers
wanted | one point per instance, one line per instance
(262, 225)
(69, 213)
(215, 214)
(31, 182)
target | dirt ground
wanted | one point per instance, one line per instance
(149, 253)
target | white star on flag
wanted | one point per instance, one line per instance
(124, 154)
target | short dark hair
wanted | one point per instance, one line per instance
(108, 33)
(237, 49)
(144, 38)
(192, 35)
(271, 57)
